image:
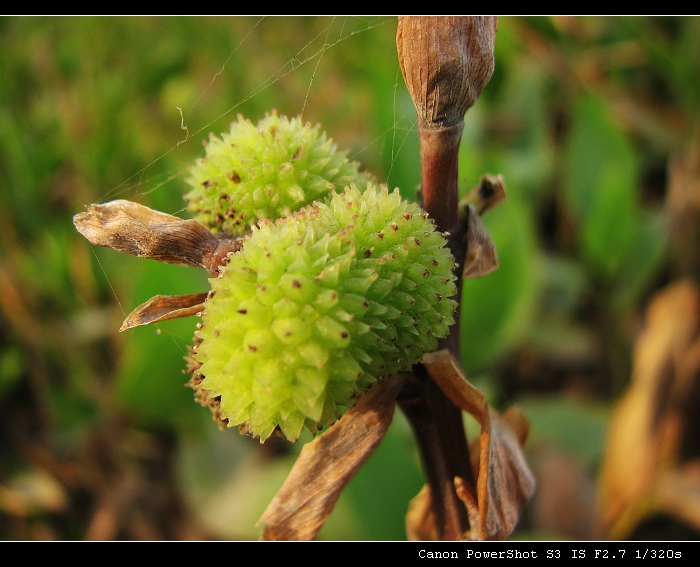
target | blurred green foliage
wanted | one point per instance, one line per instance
(581, 117)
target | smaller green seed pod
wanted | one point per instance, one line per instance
(318, 306)
(265, 171)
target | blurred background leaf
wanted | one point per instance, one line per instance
(581, 117)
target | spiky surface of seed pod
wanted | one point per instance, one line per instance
(265, 171)
(319, 305)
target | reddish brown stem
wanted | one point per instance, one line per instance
(438, 429)
(436, 421)
(440, 195)
(439, 150)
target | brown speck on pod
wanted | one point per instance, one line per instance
(233, 176)
(367, 252)
(252, 348)
(296, 283)
(217, 332)
(344, 335)
(434, 262)
(297, 153)
(242, 311)
(394, 226)
(380, 234)
(426, 274)
(408, 216)
(418, 242)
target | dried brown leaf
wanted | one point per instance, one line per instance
(505, 483)
(490, 192)
(647, 429)
(509, 484)
(677, 493)
(164, 307)
(420, 521)
(326, 464)
(137, 230)
(481, 257)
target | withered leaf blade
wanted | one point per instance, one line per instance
(326, 464)
(481, 257)
(137, 230)
(653, 425)
(490, 192)
(420, 520)
(137, 211)
(509, 482)
(676, 494)
(164, 307)
(505, 483)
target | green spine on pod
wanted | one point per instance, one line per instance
(319, 305)
(265, 171)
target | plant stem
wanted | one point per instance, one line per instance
(446, 62)
(436, 421)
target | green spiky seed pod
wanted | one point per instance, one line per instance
(265, 171)
(318, 306)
